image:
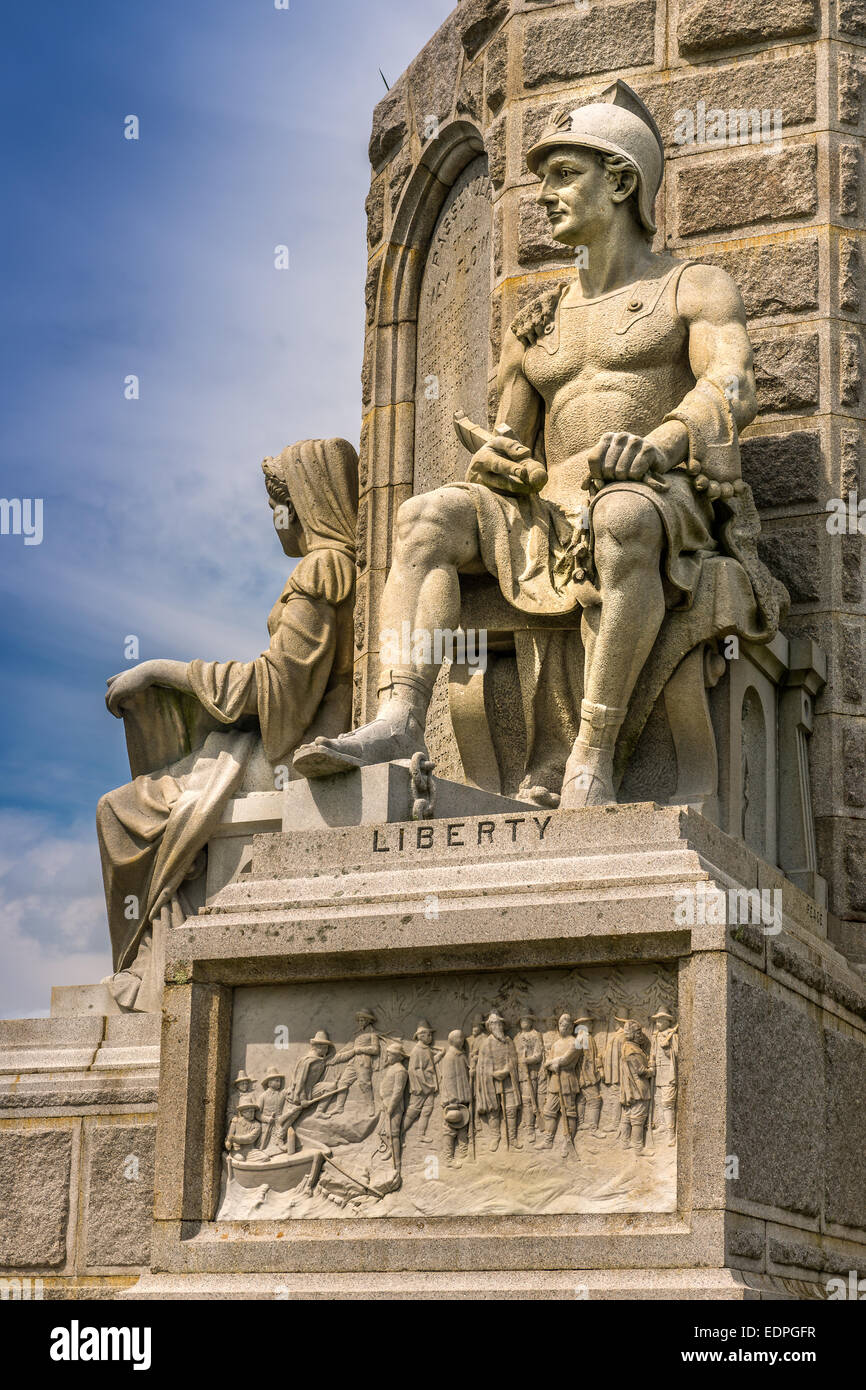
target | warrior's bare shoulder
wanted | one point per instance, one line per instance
(707, 293)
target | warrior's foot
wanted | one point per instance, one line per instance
(494, 1144)
(387, 739)
(588, 779)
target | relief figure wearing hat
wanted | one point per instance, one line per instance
(529, 1046)
(307, 1080)
(271, 1104)
(201, 732)
(423, 1079)
(614, 469)
(562, 1064)
(497, 1084)
(611, 1075)
(635, 1080)
(362, 1055)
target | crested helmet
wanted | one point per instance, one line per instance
(617, 123)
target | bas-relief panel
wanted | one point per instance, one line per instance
(544, 1092)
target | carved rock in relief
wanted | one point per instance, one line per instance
(521, 1106)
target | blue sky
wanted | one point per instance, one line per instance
(156, 258)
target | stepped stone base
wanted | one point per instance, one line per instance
(491, 1284)
(763, 1196)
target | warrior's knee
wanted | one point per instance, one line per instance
(627, 529)
(432, 526)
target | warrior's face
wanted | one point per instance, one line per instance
(579, 196)
(424, 1036)
(274, 1083)
(632, 1032)
(525, 1025)
(320, 1049)
(565, 1025)
(498, 1029)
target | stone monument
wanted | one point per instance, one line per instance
(559, 917)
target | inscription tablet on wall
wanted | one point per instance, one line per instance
(453, 329)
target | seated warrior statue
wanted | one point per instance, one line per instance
(227, 725)
(613, 470)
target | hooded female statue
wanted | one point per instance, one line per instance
(199, 733)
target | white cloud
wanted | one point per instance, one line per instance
(158, 260)
(53, 928)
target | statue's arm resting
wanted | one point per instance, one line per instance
(520, 406)
(723, 400)
(174, 674)
(124, 686)
(504, 462)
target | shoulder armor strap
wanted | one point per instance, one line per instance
(539, 314)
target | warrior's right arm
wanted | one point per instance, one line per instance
(519, 414)
(520, 406)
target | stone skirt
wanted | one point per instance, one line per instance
(540, 551)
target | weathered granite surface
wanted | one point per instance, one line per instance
(783, 221)
(761, 1197)
(77, 1111)
(599, 891)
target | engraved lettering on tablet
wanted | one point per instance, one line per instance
(453, 323)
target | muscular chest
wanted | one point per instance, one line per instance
(590, 342)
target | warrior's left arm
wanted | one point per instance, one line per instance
(720, 356)
(723, 401)
(703, 429)
(719, 347)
